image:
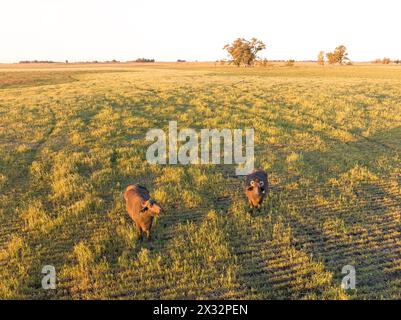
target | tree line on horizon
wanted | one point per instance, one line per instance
(139, 60)
(244, 52)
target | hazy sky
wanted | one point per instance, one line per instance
(195, 30)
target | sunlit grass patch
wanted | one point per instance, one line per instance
(328, 138)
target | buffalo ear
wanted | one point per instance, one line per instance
(250, 188)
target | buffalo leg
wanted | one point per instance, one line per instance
(250, 207)
(148, 235)
(140, 236)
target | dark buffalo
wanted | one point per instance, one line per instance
(256, 187)
(141, 208)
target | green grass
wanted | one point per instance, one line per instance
(330, 139)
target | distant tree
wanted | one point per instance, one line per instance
(244, 52)
(290, 63)
(331, 59)
(339, 55)
(37, 61)
(144, 60)
(263, 62)
(320, 58)
(382, 61)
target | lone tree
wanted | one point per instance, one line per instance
(320, 58)
(244, 52)
(339, 55)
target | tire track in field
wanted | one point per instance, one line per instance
(307, 236)
(295, 107)
(23, 181)
(21, 190)
(337, 127)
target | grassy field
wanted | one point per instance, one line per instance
(72, 138)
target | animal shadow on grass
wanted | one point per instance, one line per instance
(367, 221)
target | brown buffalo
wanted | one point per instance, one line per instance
(256, 187)
(141, 208)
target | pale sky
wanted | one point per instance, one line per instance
(168, 30)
